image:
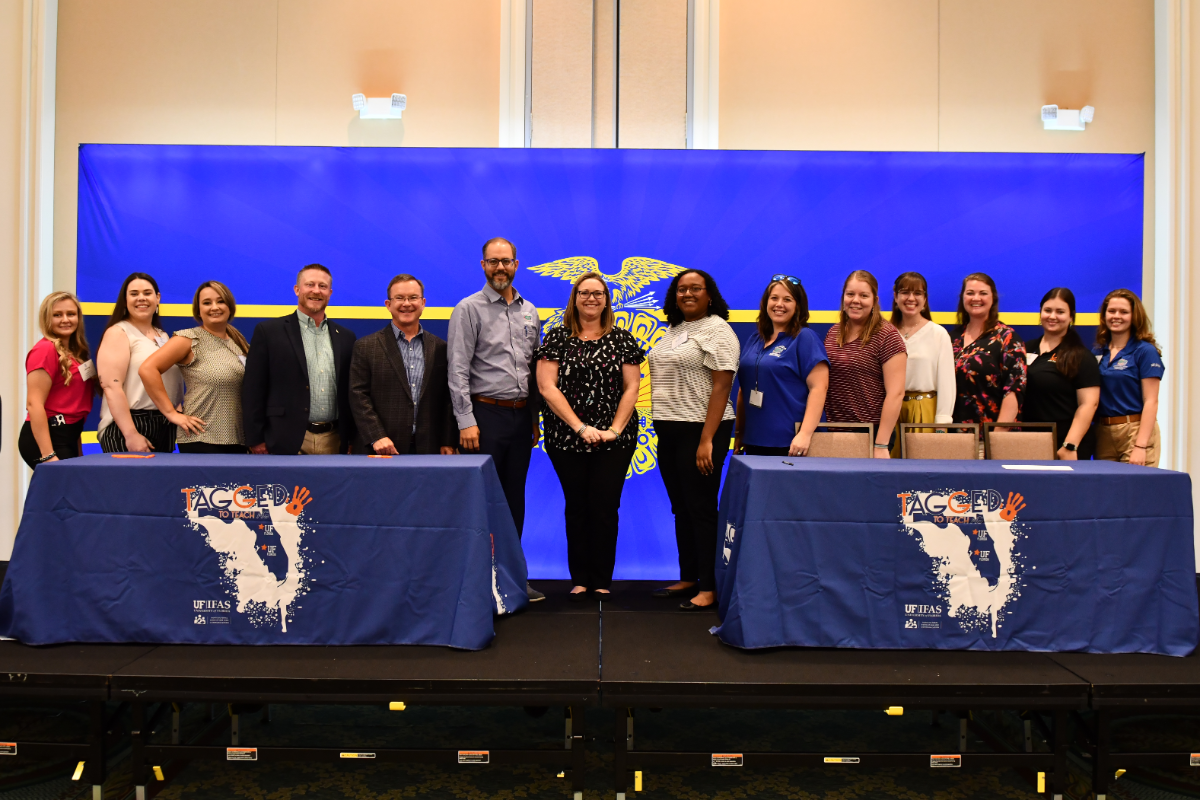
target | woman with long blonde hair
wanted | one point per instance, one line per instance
(60, 382)
(212, 358)
(1131, 369)
(867, 362)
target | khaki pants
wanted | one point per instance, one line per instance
(1115, 443)
(915, 410)
(321, 444)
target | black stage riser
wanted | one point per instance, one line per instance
(641, 759)
(845, 703)
(376, 698)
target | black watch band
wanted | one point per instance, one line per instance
(1070, 448)
(46, 458)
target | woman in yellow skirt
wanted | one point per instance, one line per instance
(929, 388)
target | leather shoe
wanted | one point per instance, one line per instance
(668, 592)
(688, 605)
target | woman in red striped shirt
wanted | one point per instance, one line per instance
(867, 362)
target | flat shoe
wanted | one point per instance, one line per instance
(665, 592)
(688, 605)
(577, 597)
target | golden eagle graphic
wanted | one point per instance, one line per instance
(634, 310)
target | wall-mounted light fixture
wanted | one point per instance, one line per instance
(1064, 119)
(380, 107)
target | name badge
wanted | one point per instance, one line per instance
(680, 339)
(1030, 358)
(756, 398)
(87, 370)
(242, 359)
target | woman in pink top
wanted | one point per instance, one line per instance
(61, 381)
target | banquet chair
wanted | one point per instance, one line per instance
(842, 440)
(1034, 442)
(960, 442)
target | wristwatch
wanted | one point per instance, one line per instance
(1070, 448)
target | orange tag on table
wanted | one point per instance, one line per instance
(132, 455)
(375, 456)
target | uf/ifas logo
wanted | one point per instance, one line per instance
(727, 547)
(971, 538)
(247, 526)
(633, 310)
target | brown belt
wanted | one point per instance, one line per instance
(491, 401)
(1119, 420)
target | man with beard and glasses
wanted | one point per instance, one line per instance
(492, 339)
(296, 393)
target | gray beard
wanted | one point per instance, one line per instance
(499, 284)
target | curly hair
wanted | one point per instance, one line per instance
(75, 348)
(716, 303)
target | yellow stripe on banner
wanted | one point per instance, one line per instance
(90, 437)
(443, 312)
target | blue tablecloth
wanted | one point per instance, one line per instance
(264, 550)
(956, 555)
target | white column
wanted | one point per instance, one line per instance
(34, 268)
(516, 31)
(704, 73)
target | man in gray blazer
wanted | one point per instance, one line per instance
(399, 392)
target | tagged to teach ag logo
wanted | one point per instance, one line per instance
(257, 533)
(971, 539)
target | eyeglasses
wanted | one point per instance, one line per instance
(910, 293)
(690, 289)
(495, 262)
(412, 298)
(592, 295)
(788, 278)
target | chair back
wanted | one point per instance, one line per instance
(843, 440)
(1034, 442)
(960, 442)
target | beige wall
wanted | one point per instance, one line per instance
(562, 74)
(266, 72)
(653, 85)
(958, 75)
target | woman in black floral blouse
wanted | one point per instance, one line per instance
(989, 357)
(588, 374)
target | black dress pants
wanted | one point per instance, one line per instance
(506, 434)
(592, 484)
(693, 496)
(63, 438)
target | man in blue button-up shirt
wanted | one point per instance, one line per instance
(493, 336)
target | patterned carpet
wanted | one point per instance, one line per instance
(359, 726)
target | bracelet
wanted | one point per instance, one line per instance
(44, 459)
(881, 446)
(1139, 447)
(582, 428)
(614, 431)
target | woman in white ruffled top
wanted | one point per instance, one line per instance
(929, 386)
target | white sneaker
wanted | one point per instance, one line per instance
(533, 594)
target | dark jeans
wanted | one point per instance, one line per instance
(693, 496)
(204, 448)
(63, 438)
(506, 434)
(592, 484)
(151, 424)
(755, 450)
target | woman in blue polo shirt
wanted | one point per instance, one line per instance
(1131, 368)
(782, 376)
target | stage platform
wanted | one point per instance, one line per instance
(630, 651)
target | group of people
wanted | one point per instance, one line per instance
(305, 385)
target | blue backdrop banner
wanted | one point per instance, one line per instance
(251, 216)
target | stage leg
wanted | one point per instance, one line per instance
(137, 757)
(1102, 768)
(1059, 782)
(622, 736)
(175, 709)
(578, 750)
(962, 731)
(567, 727)
(233, 728)
(94, 769)
(1028, 734)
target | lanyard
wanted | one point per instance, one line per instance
(762, 352)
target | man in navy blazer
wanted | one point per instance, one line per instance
(296, 392)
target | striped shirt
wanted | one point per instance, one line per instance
(856, 391)
(412, 351)
(322, 376)
(682, 364)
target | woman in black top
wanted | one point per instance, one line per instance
(589, 373)
(1063, 383)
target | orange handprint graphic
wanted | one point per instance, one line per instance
(301, 498)
(1015, 503)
